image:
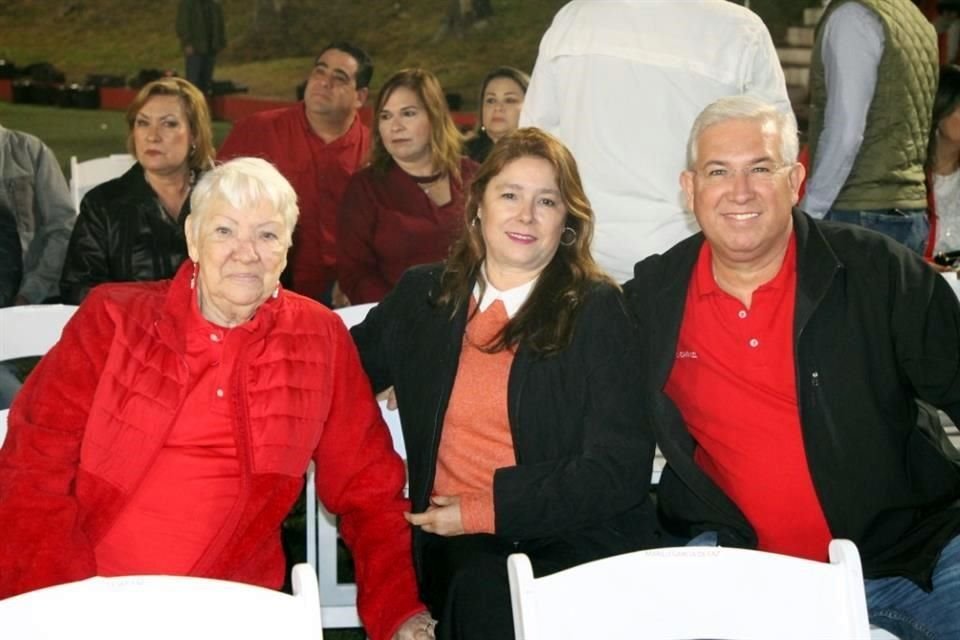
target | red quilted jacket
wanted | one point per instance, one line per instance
(90, 419)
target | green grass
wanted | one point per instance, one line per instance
(77, 132)
(273, 53)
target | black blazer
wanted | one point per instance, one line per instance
(583, 455)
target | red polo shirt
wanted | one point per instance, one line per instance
(734, 382)
(319, 172)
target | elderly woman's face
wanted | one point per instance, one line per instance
(521, 218)
(240, 254)
(405, 127)
(162, 136)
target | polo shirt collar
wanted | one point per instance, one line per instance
(707, 284)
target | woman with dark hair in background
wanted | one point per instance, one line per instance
(131, 228)
(514, 368)
(406, 208)
(501, 99)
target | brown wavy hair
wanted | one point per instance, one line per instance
(545, 322)
(446, 142)
(194, 107)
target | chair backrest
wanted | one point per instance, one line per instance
(165, 607)
(30, 330)
(694, 592)
(352, 316)
(89, 173)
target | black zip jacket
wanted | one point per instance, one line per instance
(122, 234)
(583, 453)
(875, 328)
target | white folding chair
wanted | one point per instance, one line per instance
(165, 607)
(89, 173)
(339, 600)
(694, 592)
(30, 330)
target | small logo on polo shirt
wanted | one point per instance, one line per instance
(681, 355)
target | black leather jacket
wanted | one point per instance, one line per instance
(122, 234)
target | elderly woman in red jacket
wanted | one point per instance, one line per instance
(170, 429)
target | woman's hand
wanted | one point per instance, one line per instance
(390, 396)
(418, 627)
(442, 517)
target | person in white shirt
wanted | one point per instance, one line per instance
(620, 82)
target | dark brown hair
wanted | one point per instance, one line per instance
(545, 321)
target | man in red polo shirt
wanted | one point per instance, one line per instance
(317, 145)
(787, 356)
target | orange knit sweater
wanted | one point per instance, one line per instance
(476, 438)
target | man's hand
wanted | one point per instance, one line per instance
(418, 627)
(188, 50)
(442, 517)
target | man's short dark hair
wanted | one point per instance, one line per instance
(364, 63)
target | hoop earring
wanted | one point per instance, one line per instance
(193, 278)
(571, 234)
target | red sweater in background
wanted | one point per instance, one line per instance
(387, 224)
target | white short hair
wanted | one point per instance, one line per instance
(244, 183)
(746, 108)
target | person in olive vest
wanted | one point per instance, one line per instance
(202, 36)
(872, 82)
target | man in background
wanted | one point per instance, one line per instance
(36, 218)
(317, 145)
(872, 81)
(202, 36)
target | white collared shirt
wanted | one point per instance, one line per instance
(512, 299)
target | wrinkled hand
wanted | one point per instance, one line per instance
(418, 627)
(442, 517)
(390, 396)
(338, 298)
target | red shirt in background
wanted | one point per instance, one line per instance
(734, 382)
(319, 173)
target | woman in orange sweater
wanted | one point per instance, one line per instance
(514, 365)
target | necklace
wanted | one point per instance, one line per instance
(425, 182)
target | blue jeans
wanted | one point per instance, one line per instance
(900, 606)
(909, 227)
(909, 612)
